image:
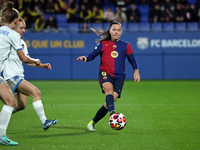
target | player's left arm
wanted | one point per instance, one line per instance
(133, 63)
(41, 65)
(136, 76)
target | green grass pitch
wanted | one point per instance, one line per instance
(161, 115)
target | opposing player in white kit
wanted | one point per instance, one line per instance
(9, 39)
(14, 75)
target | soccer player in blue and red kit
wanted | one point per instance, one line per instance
(113, 53)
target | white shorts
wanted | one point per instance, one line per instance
(1, 80)
(13, 83)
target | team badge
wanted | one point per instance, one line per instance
(23, 46)
(104, 75)
(114, 54)
(114, 46)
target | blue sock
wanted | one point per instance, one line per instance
(100, 114)
(110, 102)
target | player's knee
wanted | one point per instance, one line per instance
(109, 91)
(37, 94)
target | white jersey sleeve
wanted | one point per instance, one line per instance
(9, 39)
(24, 47)
(13, 65)
(16, 42)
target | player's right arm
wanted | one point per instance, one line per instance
(82, 58)
(17, 45)
(26, 59)
(92, 55)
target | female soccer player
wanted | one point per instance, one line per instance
(14, 75)
(9, 38)
(113, 52)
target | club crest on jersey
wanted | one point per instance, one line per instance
(104, 75)
(114, 46)
(23, 46)
(114, 54)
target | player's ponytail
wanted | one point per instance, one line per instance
(105, 35)
(9, 13)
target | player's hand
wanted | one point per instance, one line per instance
(38, 62)
(82, 58)
(47, 66)
(136, 76)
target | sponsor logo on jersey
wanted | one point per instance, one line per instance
(114, 54)
(114, 46)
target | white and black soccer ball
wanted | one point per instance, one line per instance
(117, 121)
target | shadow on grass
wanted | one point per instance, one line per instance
(71, 133)
(70, 127)
(58, 135)
(84, 128)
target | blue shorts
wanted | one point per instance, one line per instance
(117, 84)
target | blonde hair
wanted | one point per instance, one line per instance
(8, 14)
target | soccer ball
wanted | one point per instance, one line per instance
(117, 121)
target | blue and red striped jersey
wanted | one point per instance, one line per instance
(113, 55)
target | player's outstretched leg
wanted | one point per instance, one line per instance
(90, 126)
(49, 123)
(4, 140)
(99, 115)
